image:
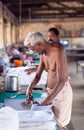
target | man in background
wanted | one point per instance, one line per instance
(53, 36)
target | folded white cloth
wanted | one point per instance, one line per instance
(35, 116)
(8, 119)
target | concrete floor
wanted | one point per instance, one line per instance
(77, 83)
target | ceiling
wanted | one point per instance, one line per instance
(26, 10)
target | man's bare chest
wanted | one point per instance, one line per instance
(50, 63)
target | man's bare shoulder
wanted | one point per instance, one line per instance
(59, 48)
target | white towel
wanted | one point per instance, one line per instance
(8, 119)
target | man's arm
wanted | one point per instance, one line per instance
(36, 79)
(31, 70)
(55, 91)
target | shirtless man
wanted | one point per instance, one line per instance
(53, 60)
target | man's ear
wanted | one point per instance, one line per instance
(39, 44)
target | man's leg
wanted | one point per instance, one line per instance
(70, 126)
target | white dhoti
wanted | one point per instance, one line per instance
(63, 104)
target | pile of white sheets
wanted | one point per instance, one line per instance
(9, 119)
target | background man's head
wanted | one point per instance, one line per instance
(53, 35)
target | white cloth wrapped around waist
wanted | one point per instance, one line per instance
(63, 104)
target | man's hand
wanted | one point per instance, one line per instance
(27, 101)
(31, 70)
(45, 102)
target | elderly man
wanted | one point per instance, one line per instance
(53, 60)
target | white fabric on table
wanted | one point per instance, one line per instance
(8, 119)
(24, 78)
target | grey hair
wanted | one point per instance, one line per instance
(33, 38)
